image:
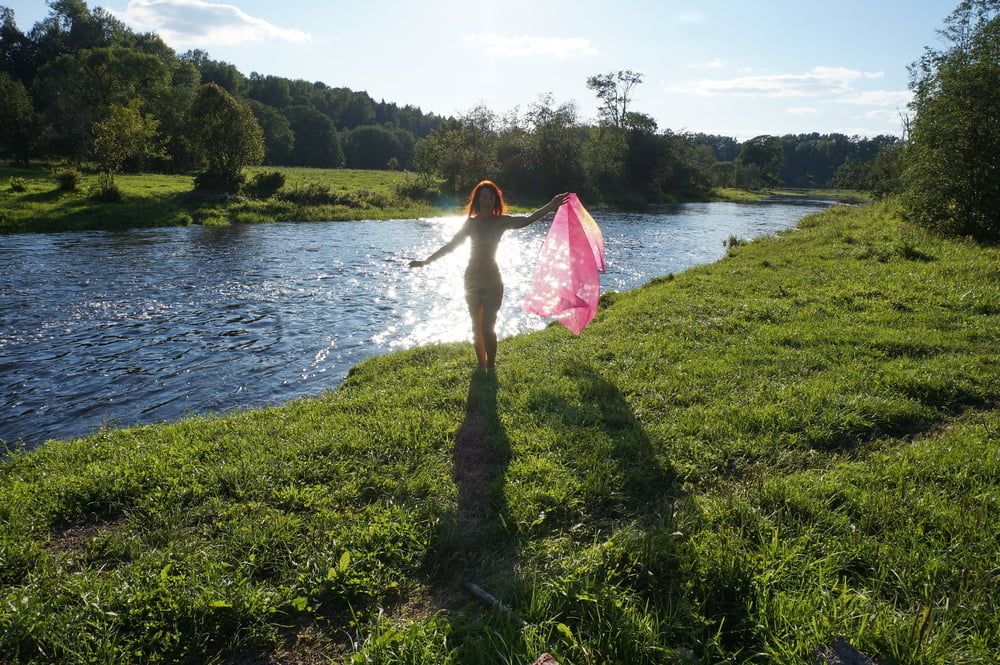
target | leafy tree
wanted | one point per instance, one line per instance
(279, 140)
(952, 166)
(853, 174)
(316, 140)
(124, 134)
(270, 90)
(171, 108)
(886, 170)
(75, 91)
(614, 90)
(371, 147)
(463, 152)
(765, 153)
(224, 135)
(558, 146)
(17, 119)
(16, 53)
(223, 74)
(724, 148)
(605, 161)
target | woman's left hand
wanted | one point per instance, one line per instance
(557, 201)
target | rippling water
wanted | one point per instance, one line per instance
(116, 328)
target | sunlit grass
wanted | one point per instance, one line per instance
(168, 200)
(737, 463)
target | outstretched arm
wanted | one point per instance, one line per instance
(446, 249)
(551, 206)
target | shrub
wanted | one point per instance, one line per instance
(419, 187)
(265, 184)
(106, 191)
(18, 184)
(67, 177)
(312, 193)
(373, 199)
(214, 181)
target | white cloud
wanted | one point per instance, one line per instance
(802, 110)
(879, 98)
(559, 47)
(816, 82)
(712, 64)
(189, 23)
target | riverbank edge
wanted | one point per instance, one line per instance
(143, 504)
(157, 200)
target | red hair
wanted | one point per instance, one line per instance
(499, 205)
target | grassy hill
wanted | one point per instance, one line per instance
(737, 463)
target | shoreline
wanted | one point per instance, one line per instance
(168, 200)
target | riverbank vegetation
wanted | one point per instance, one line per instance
(36, 199)
(738, 462)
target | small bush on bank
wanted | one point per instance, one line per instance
(419, 187)
(312, 193)
(209, 181)
(18, 184)
(106, 191)
(265, 184)
(68, 178)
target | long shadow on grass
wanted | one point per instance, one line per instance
(478, 542)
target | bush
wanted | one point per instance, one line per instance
(18, 184)
(373, 199)
(105, 191)
(312, 193)
(265, 184)
(210, 181)
(67, 177)
(419, 187)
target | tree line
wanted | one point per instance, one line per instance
(78, 68)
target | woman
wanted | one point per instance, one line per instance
(486, 220)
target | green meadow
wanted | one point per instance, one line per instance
(734, 464)
(169, 200)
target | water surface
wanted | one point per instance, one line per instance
(114, 328)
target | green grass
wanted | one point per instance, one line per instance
(168, 200)
(734, 195)
(733, 464)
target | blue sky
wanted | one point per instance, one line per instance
(733, 68)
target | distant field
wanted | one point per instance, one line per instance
(169, 200)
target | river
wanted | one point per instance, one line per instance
(114, 328)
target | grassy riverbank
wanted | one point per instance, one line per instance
(168, 200)
(733, 464)
(733, 195)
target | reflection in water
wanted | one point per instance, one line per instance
(152, 324)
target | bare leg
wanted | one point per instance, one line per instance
(477, 311)
(490, 335)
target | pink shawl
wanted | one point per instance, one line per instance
(566, 284)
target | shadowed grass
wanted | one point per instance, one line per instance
(733, 465)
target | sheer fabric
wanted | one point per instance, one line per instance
(567, 284)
